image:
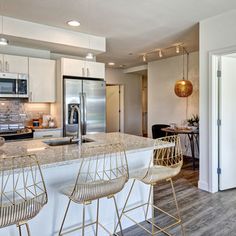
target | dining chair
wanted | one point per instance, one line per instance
(22, 191)
(166, 163)
(103, 172)
(157, 132)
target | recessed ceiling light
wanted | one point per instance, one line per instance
(3, 41)
(111, 63)
(73, 23)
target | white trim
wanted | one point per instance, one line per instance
(203, 186)
(213, 116)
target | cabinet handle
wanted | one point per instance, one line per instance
(48, 136)
(6, 66)
(83, 74)
(1, 65)
(87, 72)
(30, 97)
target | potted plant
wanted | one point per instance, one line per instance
(193, 121)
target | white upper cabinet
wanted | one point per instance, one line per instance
(42, 80)
(95, 69)
(13, 64)
(73, 67)
(80, 68)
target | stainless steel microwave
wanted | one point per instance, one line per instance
(14, 85)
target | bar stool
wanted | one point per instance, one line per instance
(22, 191)
(103, 172)
(166, 163)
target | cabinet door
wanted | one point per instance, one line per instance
(47, 134)
(42, 81)
(1, 63)
(73, 67)
(15, 64)
(95, 70)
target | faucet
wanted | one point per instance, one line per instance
(79, 133)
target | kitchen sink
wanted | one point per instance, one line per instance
(66, 141)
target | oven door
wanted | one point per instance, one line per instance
(8, 85)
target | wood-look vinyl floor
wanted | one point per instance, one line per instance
(203, 214)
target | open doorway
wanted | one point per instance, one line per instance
(144, 105)
(114, 108)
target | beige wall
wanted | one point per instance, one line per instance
(163, 105)
(133, 98)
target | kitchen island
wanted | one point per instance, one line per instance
(60, 166)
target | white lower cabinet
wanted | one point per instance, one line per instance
(42, 80)
(47, 133)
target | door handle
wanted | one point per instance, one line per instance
(87, 72)
(82, 112)
(85, 113)
(83, 74)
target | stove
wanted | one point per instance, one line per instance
(15, 132)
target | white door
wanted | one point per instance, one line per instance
(227, 130)
(15, 64)
(113, 108)
(42, 80)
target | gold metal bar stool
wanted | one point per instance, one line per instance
(22, 191)
(103, 172)
(166, 163)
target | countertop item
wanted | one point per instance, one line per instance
(42, 129)
(2, 141)
(61, 155)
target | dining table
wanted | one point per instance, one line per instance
(191, 133)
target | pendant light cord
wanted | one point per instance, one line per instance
(183, 63)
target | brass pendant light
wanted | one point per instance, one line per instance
(184, 87)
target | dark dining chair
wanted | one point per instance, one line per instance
(157, 132)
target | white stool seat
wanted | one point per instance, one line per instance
(158, 173)
(94, 190)
(22, 210)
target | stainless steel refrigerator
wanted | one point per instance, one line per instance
(90, 96)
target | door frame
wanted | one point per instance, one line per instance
(213, 116)
(121, 106)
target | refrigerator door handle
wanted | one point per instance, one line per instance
(85, 113)
(81, 109)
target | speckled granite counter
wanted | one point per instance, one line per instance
(49, 156)
(60, 167)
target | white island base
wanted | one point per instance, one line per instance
(48, 221)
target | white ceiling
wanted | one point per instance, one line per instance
(130, 26)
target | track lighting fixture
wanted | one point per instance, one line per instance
(144, 58)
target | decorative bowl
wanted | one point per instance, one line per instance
(2, 141)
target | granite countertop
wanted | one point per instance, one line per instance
(50, 156)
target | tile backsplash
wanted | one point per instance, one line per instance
(20, 111)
